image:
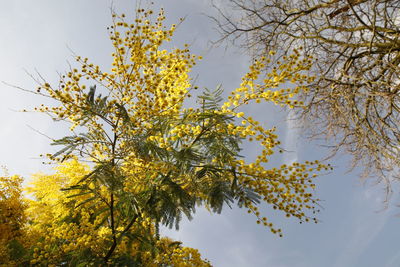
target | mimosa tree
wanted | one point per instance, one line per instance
(137, 157)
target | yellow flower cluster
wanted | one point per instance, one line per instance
(12, 217)
(146, 80)
(52, 210)
(287, 188)
(59, 228)
(177, 256)
(290, 70)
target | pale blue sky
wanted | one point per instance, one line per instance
(38, 35)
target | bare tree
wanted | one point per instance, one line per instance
(354, 100)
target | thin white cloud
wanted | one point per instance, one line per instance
(291, 137)
(365, 225)
(394, 261)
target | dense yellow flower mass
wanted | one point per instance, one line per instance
(151, 160)
(66, 231)
(12, 220)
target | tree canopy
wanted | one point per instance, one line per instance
(354, 99)
(137, 157)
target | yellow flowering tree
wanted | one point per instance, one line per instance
(62, 231)
(150, 159)
(12, 221)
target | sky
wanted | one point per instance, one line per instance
(38, 37)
